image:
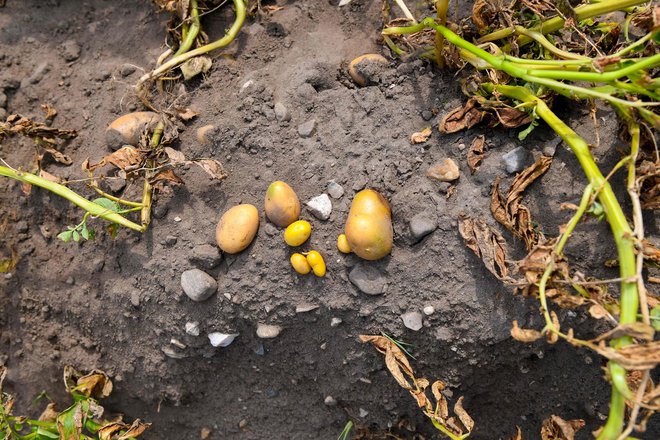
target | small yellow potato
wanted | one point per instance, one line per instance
(204, 134)
(342, 244)
(297, 233)
(315, 260)
(356, 69)
(369, 225)
(281, 205)
(237, 228)
(127, 129)
(300, 264)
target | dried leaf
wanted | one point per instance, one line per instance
(476, 153)
(518, 435)
(636, 330)
(109, 429)
(483, 14)
(421, 136)
(46, 175)
(598, 312)
(166, 175)
(136, 429)
(463, 416)
(186, 114)
(176, 157)
(9, 264)
(525, 335)
(49, 414)
(50, 111)
(461, 118)
(195, 66)
(551, 336)
(17, 124)
(212, 167)
(57, 155)
(632, 357)
(126, 158)
(511, 117)
(486, 243)
(556, 428)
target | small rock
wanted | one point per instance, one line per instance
(368, 279)
(192, 328)
(516, 160)
(307, 129)
(135, 298)
(160, 210)
(22, 226)
(177, 219)
(281, 112)
(170, 240)
(428, 310)
(422, 225)
(218, 339)
(3, 100)
(330, 401)
(70, 50)
(427, 115)
(444, 171)
(320, 207)
(173, 353)
(412, 320)
(198, 285)
(206, 256)
(267, 331)
(70, 281)
(363, 413)
(246, 85)
(304, 308)
(335, 190)
(126, 70)
(116, 184)
(205, 433)
(549, 149)
(334, 322)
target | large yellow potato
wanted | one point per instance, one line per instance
(282, 205)
(369, 225)
(127, 128)
(237, 228)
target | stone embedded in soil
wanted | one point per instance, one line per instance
(192, 328)
(206, 256)
(205, 134)
(363, 413)
(37, 74)
(307, 129)
(320, 207)
(368, 279)
(422, 225)
(428, 310)
(116, 184)
(198, 285)
(335, 190)
(330, 401)
(70, 50)
(172, 352)
(268, 331)
(304, 308)
(550, 147)
(281, 112)
(444, 171)
(126, 70)
(135, 298)
(334, 322)
(412, 320)
(516, 160)
(218, 339)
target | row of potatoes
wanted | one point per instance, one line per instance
(368, 231)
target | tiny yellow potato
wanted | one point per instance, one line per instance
(237, 228)
(315, 260)
(342, 244)
(300, 264)
(281, 205)
(357, 71)
(297, 233)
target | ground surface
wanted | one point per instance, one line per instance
(115, 304)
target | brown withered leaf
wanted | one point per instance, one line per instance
(212, 167)
(636, 330)
(632, 357)
(51, 178)
(136, 429)
(511, 117)
(176, 157)
(9, 264)
(556, 428)
(486, 243)
(649, 175)
(49, 414)
(509, 210)
(553, 337)
(186, 114)
(598, 312)
(651, 253)
(126, 158)
(421, 136)
(461, 118)
(476, 153)
(107, 431)
(50, 111)
(564, 299)
(57, 155)
(518, 434)
(523, 334)
(95, 384)
(17, 124)
(483, 14)
(166, 175)
(463, 416)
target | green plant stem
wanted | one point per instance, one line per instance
(224, 41)
(191, 30)
(637, 43)
(554, 24)
(147, 189)
(73, 197)
(441, 7)
(115, 199)
(543, 41)
(623, 237)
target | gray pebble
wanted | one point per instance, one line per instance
(422, 225)
(281, 112)
(335, 190)
(192, 328)
(330, 401)
(427, 115)
(428, 310)
(516, 160)
(170, 240)
(126, 70)
(22, 226)
(368, 279)
(116, 184)
(70, 50)
(173, 353)
(334, 322)
(267, 331)
(307, 129)
(550, 147)
(205, 255)
(412, 320)
(160, 211)
(135, 298)
(198, 285)
(320, 207)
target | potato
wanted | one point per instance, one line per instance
(126, 130)
(316, 262)
(369, 225)
(297, 233)
(205, 134)
(358, 69)
(237, 228)
(342, 244)
(300, 264)
(282, 204)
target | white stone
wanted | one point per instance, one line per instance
(412, 320)
(267, 331)
(428, 310)
(320, 207)
(192, 328)
(221, 339)
(335, 322)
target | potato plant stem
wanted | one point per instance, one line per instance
(441, 7)
(191, 30)
(73, 197)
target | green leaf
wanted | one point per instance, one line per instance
(65, 236)
(18, 427)
(107, 204)
(69, 422)
(523, 134)
(655, 318)
(87, 233)
(43, 434)
(76, 236)
(113, 230)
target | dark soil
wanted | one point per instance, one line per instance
(116, 304)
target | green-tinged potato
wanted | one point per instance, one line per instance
(282, 204)
(237, 228)
(127, 129)
(361, 69)
(369, 225)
